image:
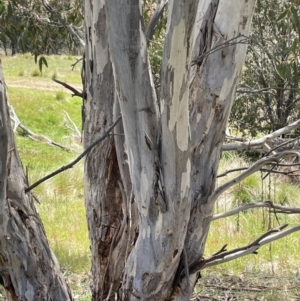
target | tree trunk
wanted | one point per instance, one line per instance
(28, 267)
(150, 187)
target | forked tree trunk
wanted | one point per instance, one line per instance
(150, 187)
(28, 267)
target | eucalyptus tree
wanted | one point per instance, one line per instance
(40, 27)
(150, 187)
(268, 96)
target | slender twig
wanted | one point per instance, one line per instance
(70, 165)
(226, 44)
(252, 169)
(77, 61)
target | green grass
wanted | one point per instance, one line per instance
(60, 95)
(281, 256)
(57, 64)
(35, 72)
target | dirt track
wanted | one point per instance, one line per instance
(42, 84)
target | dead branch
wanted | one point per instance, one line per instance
(31, 134)
(290, 143)
(225, 173)
(275, 209)
(42, 138)
(77, 61)
(67, 86)
(275, 159)
(75, 128)
(254, 91)
(260, 142)
(154, 20)
(70, 165)
(224, 256)
(13, 116)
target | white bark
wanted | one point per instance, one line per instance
(173, 158)
(28, 267)
(108, 191)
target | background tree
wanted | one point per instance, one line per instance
(42, 28)
(268, 96)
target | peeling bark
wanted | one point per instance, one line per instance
(28, 267)
(150, 188)
(107, 184)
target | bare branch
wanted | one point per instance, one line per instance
(252, 169)
(276, 209)
(32, 135)
(76, 92)
(77, 61)
(286, 143)
(261, 141)
(254, 91)
(70, 165)
(231, 42)
(13, 116)
(154, 20)
(225, 173)
(75, 128)
(271, 235)
(223, 256)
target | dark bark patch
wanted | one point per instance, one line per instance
(153, 210)
(91, 66)
(90, 33)
(101, 27)
(150, 282)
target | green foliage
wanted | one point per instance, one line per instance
(272, 67)
(39, 28)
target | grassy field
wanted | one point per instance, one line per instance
(43, 106)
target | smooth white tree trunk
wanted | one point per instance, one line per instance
(149, 188)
